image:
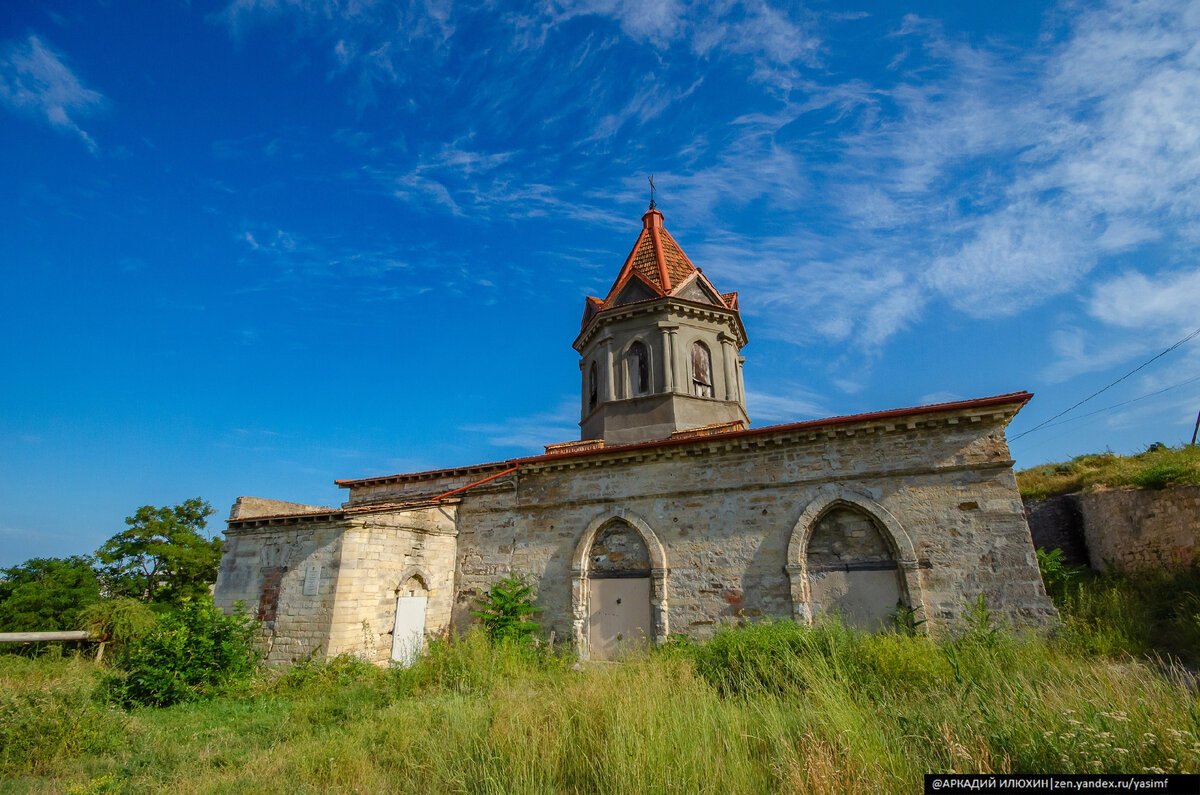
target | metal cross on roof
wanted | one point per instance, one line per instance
(651, 178)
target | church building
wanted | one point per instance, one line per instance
(669, 516)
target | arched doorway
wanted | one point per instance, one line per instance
(619, 593)
(852, 571)
(408, 634)
(848, 555)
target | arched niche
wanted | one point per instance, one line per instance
(415, 579)
(844, 551)
(592, 560)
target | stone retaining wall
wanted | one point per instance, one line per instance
(1127, 529)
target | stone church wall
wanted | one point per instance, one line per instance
(379, 553)
(725, 514)
(353, 567)
(726, 521)
(265, 569)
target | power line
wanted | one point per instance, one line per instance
(1124, 402)
(1110, 386)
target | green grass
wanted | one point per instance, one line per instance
(771, 707)
(1158, 467)
(1153, 614)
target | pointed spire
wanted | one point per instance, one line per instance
(655, 267)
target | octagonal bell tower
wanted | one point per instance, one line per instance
(661, 353)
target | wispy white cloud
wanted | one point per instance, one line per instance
(989, 179)
(533, 432)
(35, 80)
(1077, 352)
(798, 404)
(1133, 300)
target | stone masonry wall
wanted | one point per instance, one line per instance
(725, 511)
(722, 511)
(261, 566)
(380, 552)
(1127, 529)
(1136, 529)
(1056, 523)
(249, 507)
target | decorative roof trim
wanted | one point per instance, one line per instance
(685, 306)
(1015, 400)
(660, 257)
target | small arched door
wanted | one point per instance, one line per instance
(618, 593)
(852, 570)
(408, 635)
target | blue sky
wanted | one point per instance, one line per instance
(250, 247)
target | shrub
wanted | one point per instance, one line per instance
(119, 621)
(505, 609)
(1057, 576)
(773, 657)
(193, 651)
(1161, 475)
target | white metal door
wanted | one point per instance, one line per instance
(408, 636)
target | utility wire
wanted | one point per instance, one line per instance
(1099, 392)
(1123, 403)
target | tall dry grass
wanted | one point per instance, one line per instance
(768, 708)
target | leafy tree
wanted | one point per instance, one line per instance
(505, 610)
(164, 557)
(46, 594)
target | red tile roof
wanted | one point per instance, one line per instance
(658, 262)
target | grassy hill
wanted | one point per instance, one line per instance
(1158, 467)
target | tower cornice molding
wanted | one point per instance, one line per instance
(672, 306)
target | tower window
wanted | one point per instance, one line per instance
(701, 370)
(592, 387)
(639, 369)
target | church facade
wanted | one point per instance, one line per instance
(669, 516)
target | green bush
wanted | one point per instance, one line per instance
(774, 657)
(505, 610)
(119, 621)
(1161, 475)
(193, 651)
(1057, 576)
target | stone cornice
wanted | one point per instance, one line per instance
(668, 449)
(675, 308)
(998, 409)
